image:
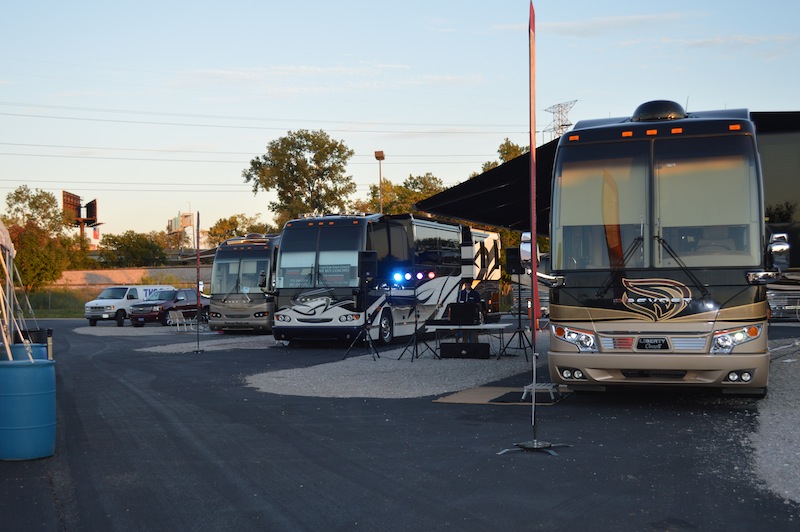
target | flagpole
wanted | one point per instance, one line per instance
(199, 309)
(535, 444)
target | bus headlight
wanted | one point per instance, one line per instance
(349, 317)
(585, 341)
(282, 318)
(725, 340)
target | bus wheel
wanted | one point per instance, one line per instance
(385, 328)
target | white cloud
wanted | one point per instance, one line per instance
(612, 25)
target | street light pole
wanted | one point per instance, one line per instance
(380, 157)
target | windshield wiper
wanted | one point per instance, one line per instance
(327, 288)
(232, 290)
(683, 266)
(635, 243)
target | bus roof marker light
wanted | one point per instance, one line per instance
(573, 138)
(735, 127)
(652, 132)
(676, 130)
(626, 134)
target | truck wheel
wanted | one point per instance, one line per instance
(120, 317)
(92, 322)
(385, 328)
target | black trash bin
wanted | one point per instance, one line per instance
(36, 336)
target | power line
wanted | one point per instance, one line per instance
(152, 159)
(221, 126)
(90, 188)
(245, 118)
(249, 154)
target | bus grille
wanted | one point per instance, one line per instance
(679, 343)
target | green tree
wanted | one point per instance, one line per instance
(306, 169)
(400, 198)
(37, 228)
(781, 212)
(37, 206)
(78, 256)
(40, 258)
(175, 240)
(131, 249)
(236, 225)
(507, 151)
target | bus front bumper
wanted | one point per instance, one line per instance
(747, 370)
(282, 332)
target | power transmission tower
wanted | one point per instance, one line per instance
(560, 123)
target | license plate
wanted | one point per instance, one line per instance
(140, 319)
(652, 344)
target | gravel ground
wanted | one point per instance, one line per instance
(387, 377)
(775, 445)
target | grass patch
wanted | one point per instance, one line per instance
(56, 303)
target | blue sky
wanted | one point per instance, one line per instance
(155, 107)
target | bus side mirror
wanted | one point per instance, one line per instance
(262, 279)
(778, 243)
(778, 249)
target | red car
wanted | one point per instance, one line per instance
(157, 306)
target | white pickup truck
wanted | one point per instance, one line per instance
(114, 303)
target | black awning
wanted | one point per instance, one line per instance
(501, 196)
(776, 122)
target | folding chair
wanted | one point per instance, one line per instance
(177, 318)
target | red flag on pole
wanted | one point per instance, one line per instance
(536, 311)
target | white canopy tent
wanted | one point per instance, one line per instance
(7, 322)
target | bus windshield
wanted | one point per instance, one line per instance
(238, 273)
(322, 257)
(657, 204)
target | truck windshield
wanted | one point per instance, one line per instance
(697, 197)
(113, 293)
(161, 295)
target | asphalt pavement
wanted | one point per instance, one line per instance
(153, 438)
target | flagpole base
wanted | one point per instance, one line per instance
(538, 445)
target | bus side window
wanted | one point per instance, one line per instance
(398, 240)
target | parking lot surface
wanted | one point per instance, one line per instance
(184, 431)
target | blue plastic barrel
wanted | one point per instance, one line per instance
(27, 409)
(38, 351)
